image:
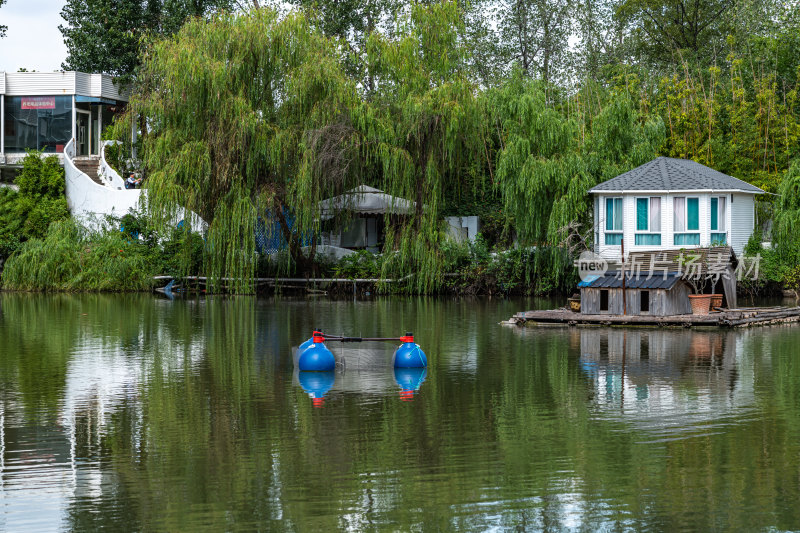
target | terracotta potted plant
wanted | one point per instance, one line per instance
(701, 303)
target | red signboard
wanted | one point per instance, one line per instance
(39, 102)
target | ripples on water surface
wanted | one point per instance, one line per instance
(133, 413)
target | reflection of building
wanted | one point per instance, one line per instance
(665, 380)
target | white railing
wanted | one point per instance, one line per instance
(87, 199)
(107, 174)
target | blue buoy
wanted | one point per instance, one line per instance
(317, 385)
(305, 344)
(316, 357)
(409, 354)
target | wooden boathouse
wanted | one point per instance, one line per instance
(656, 295)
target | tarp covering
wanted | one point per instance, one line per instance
(366, 200)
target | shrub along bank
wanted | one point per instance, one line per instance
(470, 268)
(26, 213)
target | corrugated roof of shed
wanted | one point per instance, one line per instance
(642, 280)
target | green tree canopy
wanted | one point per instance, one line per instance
(250, 118)
(787, 217)
(663, 28)
(424, 128)
(108, 35)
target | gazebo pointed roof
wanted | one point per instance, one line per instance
(670, 174)
(366, 200)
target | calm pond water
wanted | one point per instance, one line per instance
(135, 413)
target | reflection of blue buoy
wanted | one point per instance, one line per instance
(317, 385)
(409, 354)
(410, 380)
(315, 357)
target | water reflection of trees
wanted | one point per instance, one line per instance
(208, 430)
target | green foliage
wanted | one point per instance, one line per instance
(122, 255)
(361, 264)
(552, 156)
(40, 177)
(533, 34)
(786, 230)
(258, 115)
(473, 269)
(109, 36)
(71, 258)
(424, 130)
(40, 201)
(239, 106)
(663, 28)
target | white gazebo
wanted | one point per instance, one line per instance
(369, 206)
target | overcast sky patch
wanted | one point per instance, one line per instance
(32, 40)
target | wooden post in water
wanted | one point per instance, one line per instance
(622, 378)
(624, 295)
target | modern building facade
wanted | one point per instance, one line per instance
(45, 110)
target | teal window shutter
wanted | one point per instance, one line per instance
(714, 214)
(692, 214)
(641, 214)
(609, 214)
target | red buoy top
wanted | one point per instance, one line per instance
(407, 338)
(317, 337)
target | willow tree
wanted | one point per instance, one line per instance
(787, 217)
(552, 154)
(422, 129)
(249, 118)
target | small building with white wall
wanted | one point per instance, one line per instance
(64, 113)
(672, 204)
(44, 110)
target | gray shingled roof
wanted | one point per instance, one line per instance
(668, 174)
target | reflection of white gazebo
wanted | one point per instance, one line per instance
(369, 205)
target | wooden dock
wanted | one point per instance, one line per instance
(726, 318)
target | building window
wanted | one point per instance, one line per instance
(604, 299)
(719, 234)
(613, 221)
(644, 301)
(686, 221)
(648, 221)
(37, 123)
